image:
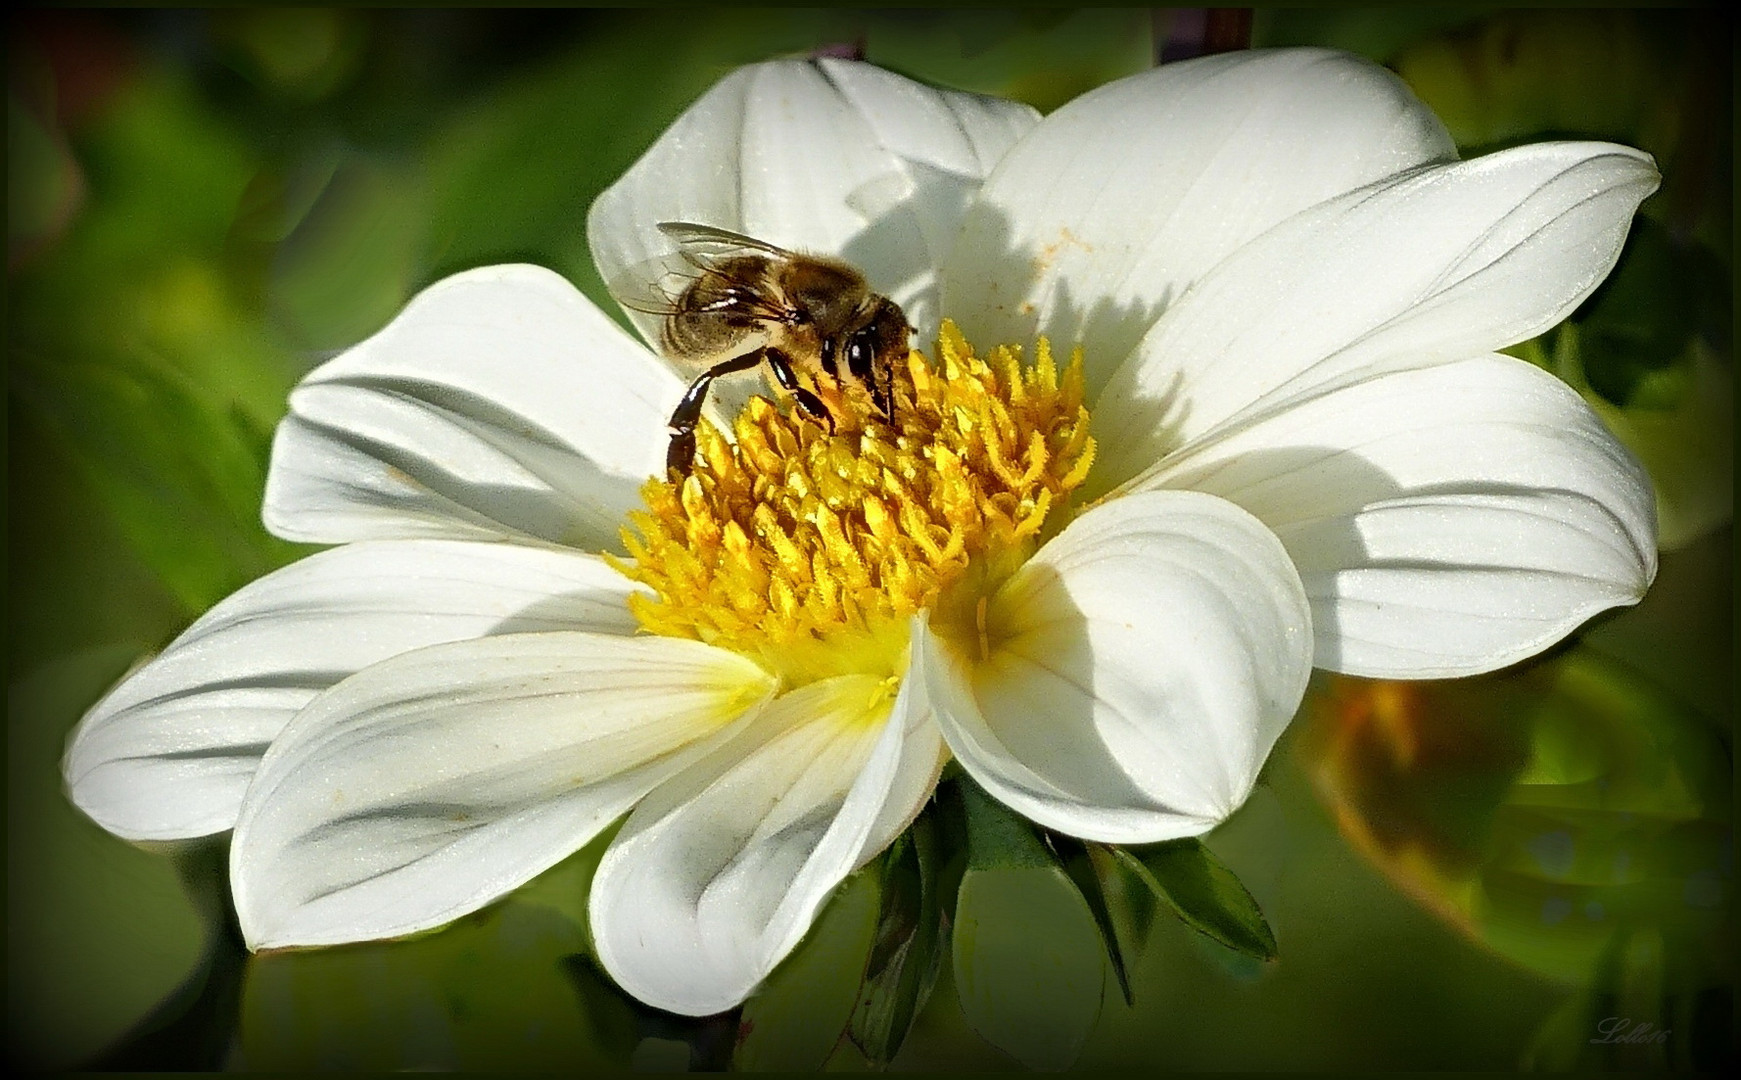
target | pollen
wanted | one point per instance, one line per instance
(810, 550)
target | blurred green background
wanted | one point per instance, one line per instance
(202, 206)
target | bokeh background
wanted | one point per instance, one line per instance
(202, 206)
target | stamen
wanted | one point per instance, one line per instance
(810, 551)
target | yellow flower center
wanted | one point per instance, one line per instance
(810, 551)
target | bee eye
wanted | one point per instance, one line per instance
(828, 355)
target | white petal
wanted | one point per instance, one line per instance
(720, 872)
(1447, 521)
(432, 783)
(1444, 263)
(500, 402)
(169, 752)
(826, 156)
(1122, 199)
(1133, 675)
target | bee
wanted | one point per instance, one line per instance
(742, 303)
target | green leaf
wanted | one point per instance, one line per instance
(1604, 738)
(567, 886)
(1040, 57)
(135, 346)
(1682, 635)
(1122, 903)
(43, 184)
(1639, 1013)
(490, 992)
(628, 1032)
(149, 272)
(1644, 315)
(1131, 903)
(511, 178)
(1205, 894)
(299, 53)
(798, 1016)
(76, 581)
(1681, 424)
(1377, 33)
(908, 952)
(165, 167)
(1652, 80)
(1520, 74)
(1029, 967)
(97, 931)
(180, 475)
(355, 256)
(997, 837)
(1543, 811)
(615, 1018)
(1619, 818)
(194, 1027)
(635, 1035)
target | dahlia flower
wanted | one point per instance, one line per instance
(1275, 433)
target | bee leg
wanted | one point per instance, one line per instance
(884, 394)
(788, 380)
(681, 453)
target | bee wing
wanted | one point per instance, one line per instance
(709, 244)
(653, 286)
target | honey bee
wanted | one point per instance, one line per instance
(732, 302)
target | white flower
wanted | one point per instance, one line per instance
(1288, 294)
